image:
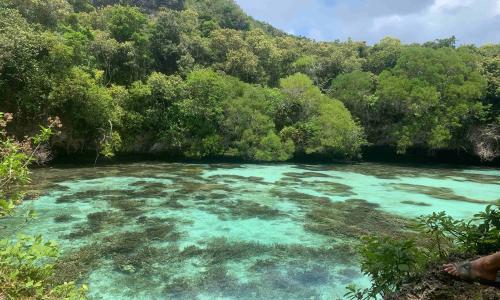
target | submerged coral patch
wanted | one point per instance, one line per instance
(242, 209)
(224, 231)
(415, 203)
(310, 275)
(353, 218)
(63, 218)
(436, 192)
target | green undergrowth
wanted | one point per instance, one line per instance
(27, 271)
(27, 263)
(402, 267)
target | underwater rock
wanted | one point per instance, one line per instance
(350, 273)
(217, 196)
(164, 232)
(66, 218)
(146, 185)
(189, 188)
(304, 200)
(90, 195)
(242, 209)
(79, 232)
(123, 243)
(56, 187)
(180, 288)
(409, 202)
(66, 199)
(263, 265)
(129, 207)
(362, 203)
(289, 181)
(220, 250)
(353, 219)
(97, 221)
(315, 275)
(173, 203)
(142, 261)
(77, 264)
(238, 178)
(216, 166)
(436, 192)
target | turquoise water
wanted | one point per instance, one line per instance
(229, 231)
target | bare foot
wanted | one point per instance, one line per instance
(474, 270)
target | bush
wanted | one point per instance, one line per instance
(26, 269)
(390, 263)
(478, 236)
(15, 156)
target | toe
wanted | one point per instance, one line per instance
(450, 268)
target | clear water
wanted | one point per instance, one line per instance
(227, 231)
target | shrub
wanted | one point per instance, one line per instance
(26, 269)
(15, 157)
(390, 262)
(480, 235)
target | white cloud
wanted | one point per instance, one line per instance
(442, 5)
(497, 10)
(381, 22)
(471, 21)
(316, 34)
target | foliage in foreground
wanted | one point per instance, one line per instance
(390, 262)
(26, 265)
(15, 157)
(26, 269)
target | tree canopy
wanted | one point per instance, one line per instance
(200, 78)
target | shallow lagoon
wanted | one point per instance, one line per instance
(229, 231)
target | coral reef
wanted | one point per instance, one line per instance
(409, 202)
(353, 219)
(437, 192)
(241, 209)
(65, 218)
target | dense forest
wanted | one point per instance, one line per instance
(200, 78)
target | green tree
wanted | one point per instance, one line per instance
(273, 148)
(248, 126)
(45, 12)
(491, 71)
(87, 107)
(433, 95)
(269, 55)
(316, 123)
(384, 55)
(20, 46)
(356, 90)
(151, 103)
(145, 4)
(226, 13)
(124, 21)
(201, 113)
(165, 39)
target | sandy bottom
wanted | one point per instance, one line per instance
(228, 231)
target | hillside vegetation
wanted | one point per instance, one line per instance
(200, 78)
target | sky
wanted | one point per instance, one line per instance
(471, 21)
